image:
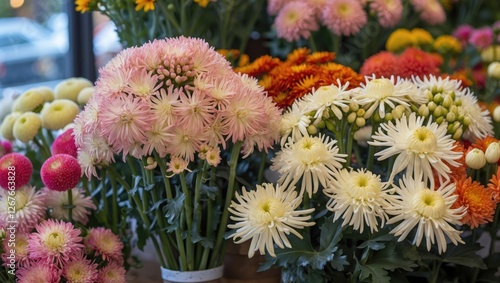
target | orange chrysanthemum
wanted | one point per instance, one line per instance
(333, 72)
(459, 76)
(415, 62)
(259, 66)
(320, 57)
(494, 186)
(297, 56)
(478, 201)
(382, 64)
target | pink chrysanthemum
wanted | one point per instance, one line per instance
(481, 38)
(195, 110)
(185, 142)
(5, 147)
(462, 33)
(29, 208)
(124, 122)
(21, 255)
(55, 242)
(38, 271)
(430, 11)
(64, 143)
(382, 64)
(142, 83)
(15, 170)
(274, 6)
(80, 270)
(111, 273)
(104, 243)
(344, 17)
(61, 172)
(388, 12)
(57, 202)
(296, 20)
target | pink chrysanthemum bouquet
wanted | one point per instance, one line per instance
(180, 119)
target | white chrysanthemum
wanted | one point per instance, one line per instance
(294, 122)
(439, 84)
(267, 215)
(327, 98)
(479, 120)
(312, 159)
(359, 197)
(419, 148)
(380, 93)
(58, 201)
(427, 209)
(363, 135)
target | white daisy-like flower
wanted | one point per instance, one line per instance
(359, 197)
(267, 216)
(327, 98)
(294, 122)
(479, 120)
(313, 160)
(439, 84)
(380, 93)
(29, 208)
(57, 202)
(419, 148)
(428, 210)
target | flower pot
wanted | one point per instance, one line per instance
(200, 276)
(238, 268)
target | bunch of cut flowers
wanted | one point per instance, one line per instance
(396, 179)
(170, 123)
(45, 233)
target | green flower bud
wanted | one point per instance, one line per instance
(450, 117)
(458, 134)
(312, 130)
(447, 101)
(354, 106)
(423, 110)
(429, 94)
(388, 117)
(360, 122)
(440, 120)
(432, 106)
(361, 112)
(351, 118)
(330, 125)
(438, 112)
(438, 98)
(466, 121)
(321, 124)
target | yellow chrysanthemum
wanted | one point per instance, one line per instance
(26, 126)
(70, 88)
(145, 5)
(399, 40)
(8, 125)
(47, 92)
(82, 6)
(421, 37)
(84, 95)
(491, 53)
(445, 44)
(30, 100)
(204, 3)
(59, 113)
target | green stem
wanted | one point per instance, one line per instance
(493, 235)
(197, 207)
(70, 205)
(114, 206)
(189, 222)
(210, 209)
(215, 259)
(435, 271)
(350, 139)
(262, 166)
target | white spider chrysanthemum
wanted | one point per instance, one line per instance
(427, 209)
(267, 215)
(439, 84)
(327, 98)
(419, 148)
(479, 120)
(294, 122)
(312, 159)
(380, 93)
(359, 197)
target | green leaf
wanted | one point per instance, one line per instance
(173, 211)
(209, 191)
(465, 255)
(375, 244)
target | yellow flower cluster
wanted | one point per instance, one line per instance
(402, 38)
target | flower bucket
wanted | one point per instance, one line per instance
(241, 269)
(200, 276)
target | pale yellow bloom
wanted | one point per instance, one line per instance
(146, 5)
(26, 126)
(59, 113)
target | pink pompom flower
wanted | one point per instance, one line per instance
(15, 171)
(481, 38)
(64, 143)
(61, 172)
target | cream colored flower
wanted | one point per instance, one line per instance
(7, 126)
(384, 94)
(327, 98)
(26, 126)
(492, 153)
(267, 215)
(427, 209)
(47, 92)
(419, 149)
(359, 197)
(70, 88)
(313, 160)
(294, 122)
(478, 123)
(475, 159)
(84, 95)
(494, 70)
(30, 100)
(59, 113)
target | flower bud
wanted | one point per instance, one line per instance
(496, 114)
(360, 122)
(351, 118)
(448, 101)
(475, 159)
(494, 70)
(312, 130)
(423, 110)
(492, 153)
